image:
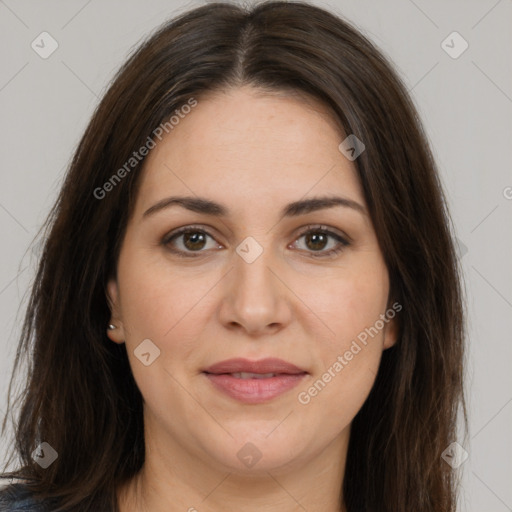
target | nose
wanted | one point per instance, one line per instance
(255, 298)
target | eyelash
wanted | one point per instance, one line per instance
(343, 243)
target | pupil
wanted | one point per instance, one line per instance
(196, 238)
(315, 238)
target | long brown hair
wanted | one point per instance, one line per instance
(80, 395)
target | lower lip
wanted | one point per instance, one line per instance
(254, 391)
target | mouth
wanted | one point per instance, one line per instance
(254, 382)
(249, 375)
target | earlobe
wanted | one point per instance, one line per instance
(392, 328)
(391, 333)
(114, 329)
(389, 339)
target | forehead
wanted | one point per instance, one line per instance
(244, 143)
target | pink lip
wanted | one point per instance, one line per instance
(267, 365)
(254, 391)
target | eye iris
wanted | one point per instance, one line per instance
(195, 238)
(316, 238)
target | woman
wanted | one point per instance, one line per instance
(248, 296)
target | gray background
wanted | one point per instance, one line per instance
(465, 104)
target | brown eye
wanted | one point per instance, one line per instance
(317, 239)
(194, 240)
(187, 241)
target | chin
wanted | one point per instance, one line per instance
(254, 454)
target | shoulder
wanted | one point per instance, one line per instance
(17, 497)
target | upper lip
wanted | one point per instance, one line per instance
(267, 365)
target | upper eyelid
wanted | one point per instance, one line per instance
(328, 229)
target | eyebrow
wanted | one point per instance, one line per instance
(208, 207)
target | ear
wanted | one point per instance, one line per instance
(392, 326)
(112, 293)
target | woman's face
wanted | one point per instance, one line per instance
(265, 274)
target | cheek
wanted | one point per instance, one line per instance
(334, 398)
(156, 306)
(351, 353)
(350, 360)
(154, 297)
(164, 306)
(351, 302)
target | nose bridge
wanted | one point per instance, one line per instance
(253, 279)
(254, 297)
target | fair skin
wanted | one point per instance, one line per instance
(254, 154)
